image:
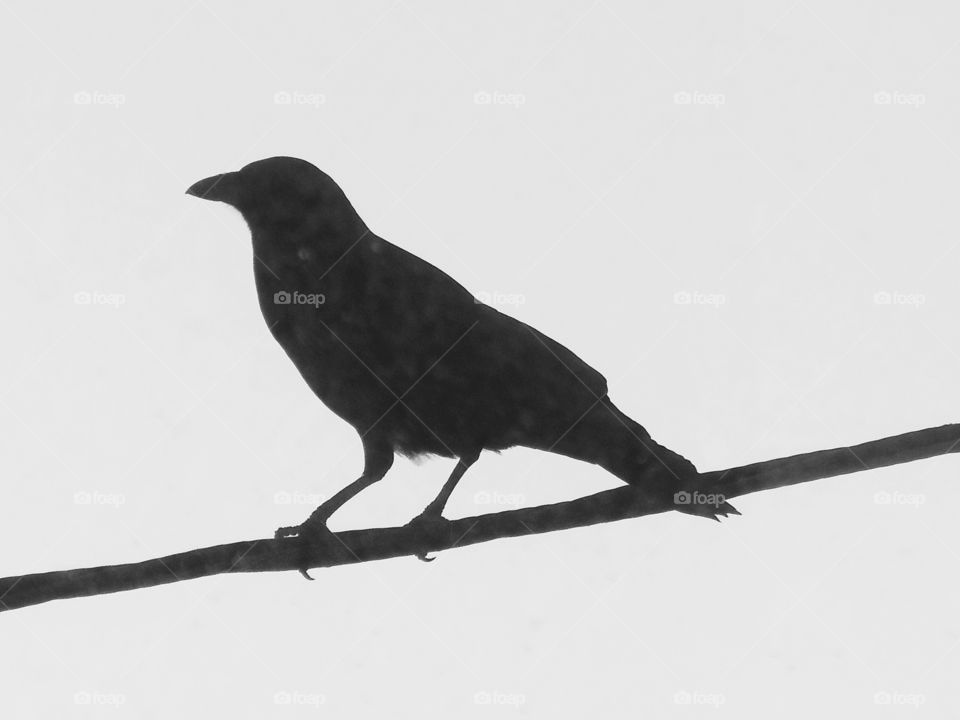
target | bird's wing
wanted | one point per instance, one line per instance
(538, 351)
(432, 307)
(414, 276)
(590, 377)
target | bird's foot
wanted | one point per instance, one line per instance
(425, 519)
(307, 531)
(300, 531)
(313, 526)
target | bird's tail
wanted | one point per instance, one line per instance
(708, 505)
(639, 460)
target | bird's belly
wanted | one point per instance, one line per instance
(368, 387)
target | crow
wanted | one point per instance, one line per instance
(412, 360)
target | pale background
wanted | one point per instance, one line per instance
(802, 194)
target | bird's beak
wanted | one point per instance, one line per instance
(223, 187)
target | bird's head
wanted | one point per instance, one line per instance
(278, 192)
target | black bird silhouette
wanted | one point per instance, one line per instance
(406, 355)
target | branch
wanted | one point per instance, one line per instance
(354, 546)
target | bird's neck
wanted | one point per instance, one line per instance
(284, 238)
(295, 255)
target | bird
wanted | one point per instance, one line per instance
(413, 360)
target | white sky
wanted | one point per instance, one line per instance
(784, 196)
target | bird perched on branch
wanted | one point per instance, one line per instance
(412, 360)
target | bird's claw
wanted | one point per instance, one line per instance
(306, 531)
(420, 521)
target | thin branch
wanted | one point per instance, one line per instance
(344, 548)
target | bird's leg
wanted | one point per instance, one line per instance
(318, 518)
(378, 459)
(434, 511)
